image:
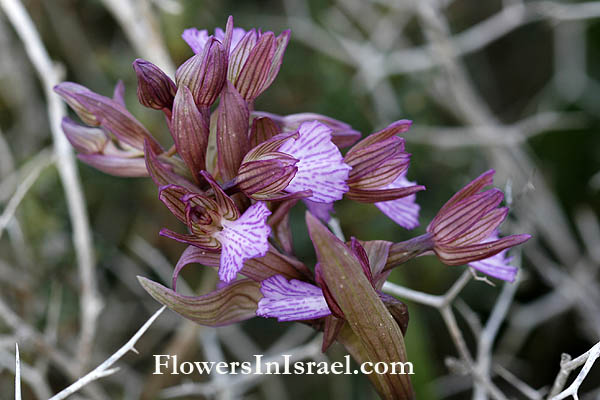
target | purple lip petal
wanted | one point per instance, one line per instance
(320, 167)
(403, 211)
(242, 239)
(292, 300)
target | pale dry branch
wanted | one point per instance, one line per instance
(567, 365)
(49, 75)
(17, 374)
(30, 376)
(44, 161)
(105, 369)
(141, 28)
(488, 335)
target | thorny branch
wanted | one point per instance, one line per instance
(105, 369)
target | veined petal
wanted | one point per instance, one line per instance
(403, 211)
(321, 167)
(232, 131)
(236, 35)
(117, 166)
(463, 255)
(292, 300)
(155, 89)
(463, 215)
(253, 76)
(483, 180)
(190, 131)
(84, 139)
(244, 238)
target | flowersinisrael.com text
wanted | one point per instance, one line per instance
(168, 364)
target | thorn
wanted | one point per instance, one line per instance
(135, 350)
(481, 278)
(17, 373)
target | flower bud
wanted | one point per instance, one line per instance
(205, 73)
(155, 89)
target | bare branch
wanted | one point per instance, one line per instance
(105, 369)
(587, 359)
(43, 162)
(141, 28)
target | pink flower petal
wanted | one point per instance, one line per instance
(403, 211)
(242, 239)
(320, 210)
(292, 300)
(195, 39)
(321, 167)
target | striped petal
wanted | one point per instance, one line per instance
(292, 300)
(403, 211)
(242, 239)
(321, 167)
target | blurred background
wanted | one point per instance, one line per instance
(511, 85)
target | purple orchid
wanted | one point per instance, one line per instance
(233, 174)
(215, 225)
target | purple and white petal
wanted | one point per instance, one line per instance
(497, 266)
(195, 39)
(242, 239)
(403, 211)
(321, 167)
(292, 300)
